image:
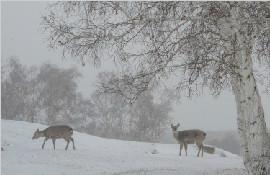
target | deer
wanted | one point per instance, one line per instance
(55, 132)
(188, 137)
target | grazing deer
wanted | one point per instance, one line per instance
(188, 137)
(55, 132)
(209, 149)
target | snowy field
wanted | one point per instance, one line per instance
(99, 156)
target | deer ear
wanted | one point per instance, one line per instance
(171, 125)
(178, 125)
(37, 130)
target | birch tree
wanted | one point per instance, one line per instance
(198, 44)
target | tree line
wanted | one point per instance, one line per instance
(49, 95)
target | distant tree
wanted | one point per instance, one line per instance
(202, 44)
(105, 118)
(30, 92)
(143, 120)
(161, 119)
(14, 88)
(111, 109)
(33, 96)
(58, 91)
(149, 119)
(81, 115)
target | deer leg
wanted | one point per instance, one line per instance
(199, 146)
(202, 150)
(72, 142)
(181, 146)
(67, 144)
(185, 145)
(53, 140)
(44, 142)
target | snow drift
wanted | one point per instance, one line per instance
(99, 156)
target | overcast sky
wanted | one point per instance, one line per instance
(21, 37)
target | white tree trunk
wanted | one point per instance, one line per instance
(255, 140)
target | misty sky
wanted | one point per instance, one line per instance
(21, 36)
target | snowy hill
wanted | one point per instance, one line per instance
(99, 156)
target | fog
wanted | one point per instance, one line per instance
(21, 36)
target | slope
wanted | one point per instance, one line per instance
(99, 156)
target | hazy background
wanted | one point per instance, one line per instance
(21, 36)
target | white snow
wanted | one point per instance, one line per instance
(99, 156)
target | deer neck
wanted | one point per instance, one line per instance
(175, 134)
(41, 133)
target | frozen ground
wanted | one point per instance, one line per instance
(99, 156)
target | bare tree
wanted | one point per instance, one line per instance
(33, 96)
(81, 115)
(58, 91)
(14, 91)
(144, 120)
(149, 119)
(29, 92)
(104, 109)
(202, 44)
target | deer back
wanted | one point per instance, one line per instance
(58, 131)
(191, 136)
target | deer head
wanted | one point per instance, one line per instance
(175, 128)
(37, 134)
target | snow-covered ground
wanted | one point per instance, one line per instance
(99, 156)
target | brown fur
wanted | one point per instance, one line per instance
(209, 149)
(55, 132)
(188, 137)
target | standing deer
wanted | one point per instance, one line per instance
(55, 132)
(188, 137)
